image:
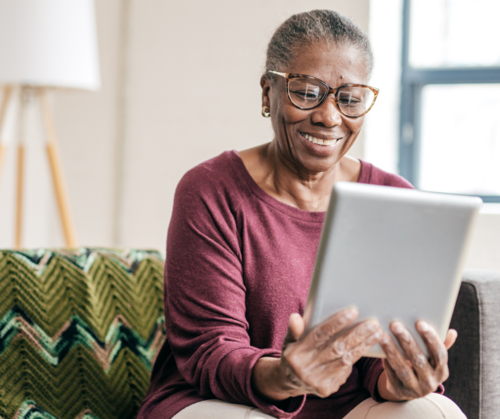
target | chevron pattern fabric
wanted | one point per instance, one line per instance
(79, 331)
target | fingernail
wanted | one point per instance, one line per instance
(350, 313)
(398, 327)
(385, 340)
(423, 326)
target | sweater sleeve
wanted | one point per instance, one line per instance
(370, 369)
(205, 298)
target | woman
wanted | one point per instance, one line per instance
(240, 254)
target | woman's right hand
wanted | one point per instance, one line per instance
(316, 362)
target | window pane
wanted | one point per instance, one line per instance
(454, 33)
(460, 139)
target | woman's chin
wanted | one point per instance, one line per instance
(316, 164)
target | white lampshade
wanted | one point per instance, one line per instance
(49, 43)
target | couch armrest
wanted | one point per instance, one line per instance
(474, 360)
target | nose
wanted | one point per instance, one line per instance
(327, 113)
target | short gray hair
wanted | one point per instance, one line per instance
(312, 27)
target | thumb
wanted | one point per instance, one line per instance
(296, 327)
(451, 337)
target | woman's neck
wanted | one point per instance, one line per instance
(287, 183)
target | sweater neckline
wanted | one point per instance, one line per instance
(311, 216)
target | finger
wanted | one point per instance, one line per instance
(397, 361)
(418, 360)
(296, 325)
(327, 378)
(394, 383)
(323, 333)
(437, 350)
(451, 338)
(363, 334)
(295, 330)
(338, 368)
(394, 379)
(355, 352)
(351, 346)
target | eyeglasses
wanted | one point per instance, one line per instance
(308, 92)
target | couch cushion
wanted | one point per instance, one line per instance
(463, 384)
(79, 331)
(474, 382)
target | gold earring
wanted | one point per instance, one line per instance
(265, 112)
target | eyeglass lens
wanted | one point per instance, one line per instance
(307, 93)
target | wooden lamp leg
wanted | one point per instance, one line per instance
(20, 167)
(56, 171)
(19, 197)
(3, 111)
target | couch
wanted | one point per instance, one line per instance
(80, 329)
(474, 360)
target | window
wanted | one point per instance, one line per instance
(450, 97)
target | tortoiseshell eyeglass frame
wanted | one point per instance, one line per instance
(289, 76)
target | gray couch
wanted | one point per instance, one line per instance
(474, 360)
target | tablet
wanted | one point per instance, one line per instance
(394, 253)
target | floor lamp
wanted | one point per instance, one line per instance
(45, 44)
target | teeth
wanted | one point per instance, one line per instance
(319, 141)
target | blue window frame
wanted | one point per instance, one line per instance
(413, 81)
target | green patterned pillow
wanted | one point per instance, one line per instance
(79, 331)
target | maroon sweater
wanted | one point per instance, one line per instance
(238, 263)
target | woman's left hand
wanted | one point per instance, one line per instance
(414, 376)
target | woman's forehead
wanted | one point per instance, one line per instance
(331, 62)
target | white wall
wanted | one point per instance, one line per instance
(180, 84)
(382, 123)
(484, 250)
(193, 91)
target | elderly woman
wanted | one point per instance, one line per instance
(240, 255)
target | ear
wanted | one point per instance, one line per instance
(266, 86)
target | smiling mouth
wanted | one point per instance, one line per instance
(319, 141)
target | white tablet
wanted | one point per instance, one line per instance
(394, 254)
